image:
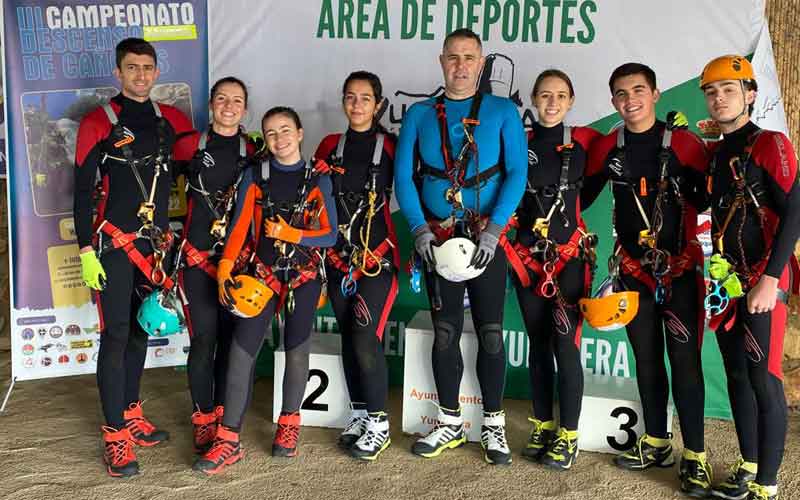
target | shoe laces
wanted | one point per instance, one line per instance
(356, 425)
(759, 492)
(140, 425)
(287, 434)
(120, 452)
(204, 433)
(372, 439)
(494, 437)
(701, 474)
(537, 430)
(220, 450)
(734, 472)
(561, 443)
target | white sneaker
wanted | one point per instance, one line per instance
(447, 433)
(375, 439)
(354, 429)
(493, 438)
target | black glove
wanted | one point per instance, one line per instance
(487, 244)
(423, 244)
(676, 120)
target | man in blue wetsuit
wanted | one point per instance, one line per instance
(472, 170)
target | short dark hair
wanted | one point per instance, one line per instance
(228, 79)
(632, 68)
(552, 73)
(462, 33)
(135, 46)
(750, 85)
(282, 110)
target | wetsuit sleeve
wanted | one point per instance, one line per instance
(596, 175)
(694, 157)
(515, 146)
(326, 235)
(183, 151)
(408, 198)
(326, 147)
(780, 162)
(87, 161)
(242, 216)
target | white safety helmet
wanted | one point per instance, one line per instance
(453, 260)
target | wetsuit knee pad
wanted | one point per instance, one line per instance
(491, 338)
(444, 335)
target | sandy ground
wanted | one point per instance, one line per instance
(50, 448)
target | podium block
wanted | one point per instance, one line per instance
(326, 402)
(611, 417)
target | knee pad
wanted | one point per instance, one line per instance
(444, 335)
(366, 351)
(490, 338)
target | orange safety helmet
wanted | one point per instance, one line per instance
(610, 310)
(248, 296)
(730, 67)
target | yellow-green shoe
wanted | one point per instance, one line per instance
(644, 455)
(375, 438)
(734, 487)
(695, 475)
(542, 434)
(563, 451)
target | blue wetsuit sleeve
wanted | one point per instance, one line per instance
(326, 235)
(408, 198)
(516, 167)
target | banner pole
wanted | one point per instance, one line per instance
(8, 394)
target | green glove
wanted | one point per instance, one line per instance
(94, 276)
(718, 267)
(733, 286)
(677, 120)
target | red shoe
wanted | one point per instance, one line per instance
(285, 443)
(205, 429)
(219, 411)
(143, 431)
(118, 454)
(226, 450)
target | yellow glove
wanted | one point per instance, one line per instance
(92, 271)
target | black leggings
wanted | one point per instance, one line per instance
(555, 330)
(248, 337)
(486, 298)
(682, 316)
(123, 344)
(753, 351)
(362, 318)
(210, 327)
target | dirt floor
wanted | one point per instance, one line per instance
(50, 448)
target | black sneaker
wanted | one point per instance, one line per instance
(538, 441)
(643, 455)
(695, 478)
(735, 486)
(561, 454)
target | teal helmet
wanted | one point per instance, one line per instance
(160, 314)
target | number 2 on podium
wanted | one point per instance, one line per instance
(310, 402)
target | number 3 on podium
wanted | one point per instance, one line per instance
(632, 418)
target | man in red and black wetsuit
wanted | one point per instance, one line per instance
(755, 207)
(128, 141)
(656, 175)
